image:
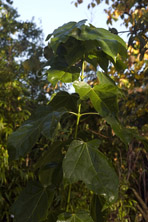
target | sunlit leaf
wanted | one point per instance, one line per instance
(60, 75)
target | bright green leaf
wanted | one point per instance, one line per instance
(60, 75)
(82, 88)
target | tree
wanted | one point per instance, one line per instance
(21, 89)
(133, 78)
(76, 154)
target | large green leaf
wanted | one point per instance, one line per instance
(75, 217)
(83, 161)
(110, 43)
(33, 203)
(44, 121)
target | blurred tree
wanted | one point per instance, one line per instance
(21, 87)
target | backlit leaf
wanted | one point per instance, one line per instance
(60, 75)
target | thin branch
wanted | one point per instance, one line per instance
(98, 134)
(123, 31)
(140, 201)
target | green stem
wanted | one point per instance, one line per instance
(76, 134)
(82, 71)
(68, 198)
(78, 120)
(73, 113)
(84, 114)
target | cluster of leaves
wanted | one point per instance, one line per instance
(79, 156)
(134, 15)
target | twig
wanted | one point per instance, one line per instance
(141, 202)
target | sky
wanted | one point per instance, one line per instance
(50, 14)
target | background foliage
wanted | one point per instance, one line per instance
(21, 89)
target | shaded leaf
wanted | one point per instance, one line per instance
(83, 161)
(44, 121)
(96, 209)
(50, 165)
(51, 155)
(98, 57)
(32, 204)
(52, 217)
(75, 217)
(66, 100)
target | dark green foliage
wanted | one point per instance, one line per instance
(43, 122)
(84, 162)
(74, 156)
(33, 203)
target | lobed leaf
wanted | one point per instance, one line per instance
(83, 161)
(32, 204)
(44, 121)
(75, 217)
